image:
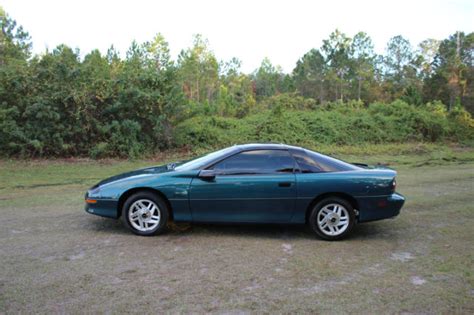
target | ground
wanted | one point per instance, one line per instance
(54, 257)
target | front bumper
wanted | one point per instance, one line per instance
(380, 207)
(102, 207)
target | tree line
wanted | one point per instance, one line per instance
(58, 103)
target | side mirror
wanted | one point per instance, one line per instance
(207, 175)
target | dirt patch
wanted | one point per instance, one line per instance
(402, 256)
(417, 280)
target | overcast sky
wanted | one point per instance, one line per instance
(247, 29)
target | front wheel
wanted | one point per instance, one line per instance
(144, 213)
(332, 218)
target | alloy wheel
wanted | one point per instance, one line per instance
(333, 219)
(144, 215)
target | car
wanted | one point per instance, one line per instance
(250, 183)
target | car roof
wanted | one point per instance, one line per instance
(265, 146)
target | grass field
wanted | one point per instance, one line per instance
(56, 258)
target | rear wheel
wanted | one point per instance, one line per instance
(332, 218)
(144, 213)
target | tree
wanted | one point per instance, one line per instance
(267, 79)
(198, 71)
(309, 75)
(428, 50)
(400, 69)
(337, 50)
(453, 70)
(364, 61)
(236, 96)
(15, 43)
(15, 80)
(148, 96)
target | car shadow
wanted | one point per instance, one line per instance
(208, 229)
(371, 230)
(269, 231)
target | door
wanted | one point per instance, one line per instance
(251, 186)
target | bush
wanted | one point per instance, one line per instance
(40, 130)
(123, 140)
(331, 124)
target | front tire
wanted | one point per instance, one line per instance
(145, 213)
(332, 218)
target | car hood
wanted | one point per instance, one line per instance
(143, 171)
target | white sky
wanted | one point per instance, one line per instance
(247, 29)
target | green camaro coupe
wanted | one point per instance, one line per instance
(251, 183)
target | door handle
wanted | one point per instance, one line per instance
(284, 184)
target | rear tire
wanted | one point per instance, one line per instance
(144, 213)
(332, 218)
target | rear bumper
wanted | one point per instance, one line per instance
(380, 207)
(103, 207)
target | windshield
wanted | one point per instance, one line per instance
(203, 160)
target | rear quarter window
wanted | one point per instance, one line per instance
(312, 162)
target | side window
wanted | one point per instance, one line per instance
(312, 162)
(257, 162)
(306, 164)
(329, 164)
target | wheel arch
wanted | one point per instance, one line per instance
(134, 190)
(341, 195)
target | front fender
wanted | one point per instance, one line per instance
(173, 186)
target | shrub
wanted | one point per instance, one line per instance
(334, 123)
(122, 140)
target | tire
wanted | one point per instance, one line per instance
(145, 214)
(332, 218)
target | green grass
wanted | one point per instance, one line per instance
(56, 258)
